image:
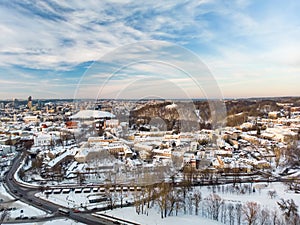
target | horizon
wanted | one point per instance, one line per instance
(246, 49)
(149, 99)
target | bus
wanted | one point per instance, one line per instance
(97, 198)
(64, 211)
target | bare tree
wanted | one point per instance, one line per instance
(162, 199)
(276, 218)
(190, 200)
(293, 154)
(272, 194)
(121, 196)
(223, 213)
(197, 198)
(179, 202)
(230, 209)
(278, 155)
(188, 174)
(214, 203)
(110, 196)
(238, 208)
(264, 217)
(184, 190)
(150, 195)
(290, 211)
(251, 211)
(142, 200)
(171, 201)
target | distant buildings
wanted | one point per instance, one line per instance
(62, 137)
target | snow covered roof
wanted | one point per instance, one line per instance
(69, 152)
(88, 114)
(172, 106)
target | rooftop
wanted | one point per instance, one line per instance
(92, 114)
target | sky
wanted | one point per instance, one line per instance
(139, 49)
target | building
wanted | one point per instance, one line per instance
(45, 139)
(32, 119)
(273, 115)
(92, 115)
(29, 103)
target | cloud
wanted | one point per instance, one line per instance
(149, 63)
(53, 40)
(56, 34)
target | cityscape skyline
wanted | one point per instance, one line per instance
(52, 49)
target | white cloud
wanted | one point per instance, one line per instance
(92, 29)
(234, 42)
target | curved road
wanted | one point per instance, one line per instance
(27, 195)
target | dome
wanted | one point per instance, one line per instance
(172, 106)
(92, 114)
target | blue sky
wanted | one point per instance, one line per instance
(74, 49)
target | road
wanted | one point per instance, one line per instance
(27, 194)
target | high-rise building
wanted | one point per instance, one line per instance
(15, 103)
(29, 103)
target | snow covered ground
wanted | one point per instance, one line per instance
(55, 222)
(81, 200)
(261, 196)
(226, 192)
(21, 209)
(153, 218)
(18, 208)
(229, 194)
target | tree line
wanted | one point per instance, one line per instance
(185, 200)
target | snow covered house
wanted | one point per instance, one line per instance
(68, 154)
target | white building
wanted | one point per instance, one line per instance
(31, 119)
(45, 139)
(91, 114)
